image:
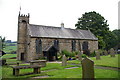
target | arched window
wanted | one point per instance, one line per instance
(85, 45)
(56, 44)
(85, 48)
(38, 46)
(73, 45)
(79, 45)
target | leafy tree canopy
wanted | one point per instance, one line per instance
(99, 27)
(93, 21)
(2, 43)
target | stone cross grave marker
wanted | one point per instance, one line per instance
(79, 56)
(106, 53)
(64, 60)
(97, 55)
(87, 68)
(112, 52)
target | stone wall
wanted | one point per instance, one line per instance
(93, 45)
(64, 44)
(23, 20)
(31, 54)
(21, 44)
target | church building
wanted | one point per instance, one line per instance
(39, 41)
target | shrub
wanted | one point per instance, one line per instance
(66, 53)
(72, 54)
(84, 55)
(101, 51)
(93, 54)
(76, 53)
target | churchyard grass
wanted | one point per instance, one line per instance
(7, 70)
(9, 55)
(77, 73)
(10, 47)
(105, 61)
(55, 70)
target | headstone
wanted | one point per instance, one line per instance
(87, 68)
(112, 52)
(106, 53)
(97, 55)
(64, 61)
(79, 56)
(101, 53)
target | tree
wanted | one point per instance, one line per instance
(101, 42)
(111, 40)
(117, 33)
(2, 43)
(93, 21)
(97, 25)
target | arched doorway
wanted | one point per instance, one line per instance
(85, 48)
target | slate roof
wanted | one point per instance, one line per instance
(58, 32)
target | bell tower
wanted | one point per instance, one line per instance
(23, 20)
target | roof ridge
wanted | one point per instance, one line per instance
(56, 27)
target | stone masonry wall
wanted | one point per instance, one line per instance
(64, 44)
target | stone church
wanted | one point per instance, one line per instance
(39, 41)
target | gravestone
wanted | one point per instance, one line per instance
(79, 56)
(112, 52)
(102, 53)
(87, 68)
(64, 61)
(97, 55)
(106, 53)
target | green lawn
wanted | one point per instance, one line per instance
(9, 48)
(105, 61)
(77, 73)
(55, 70)
(7, 70)
(9, 55)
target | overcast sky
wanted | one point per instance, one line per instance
(53, 12)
